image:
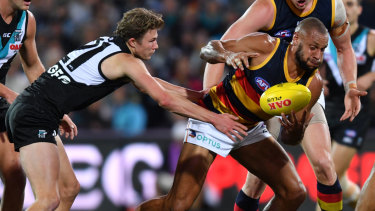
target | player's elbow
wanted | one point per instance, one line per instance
(208, 51)
(165, 101)
(204, 52)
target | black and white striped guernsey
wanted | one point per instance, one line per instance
(77, 81)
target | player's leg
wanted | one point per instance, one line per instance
(342, 156)
(248, 198)
(317, 146)
(40, 162)
(269, 161)
(12, 176)
(192, 167)
(68, 184)
(366, 200)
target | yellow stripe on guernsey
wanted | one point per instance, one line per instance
(286, 71)
(274, 15)
(330, 206)
(299, 13)
(333, 13)
(246, 100)
(218, 105)
(268, 58)
(311, 77)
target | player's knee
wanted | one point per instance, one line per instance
(299, 195)
(296, 194)
(70, 190)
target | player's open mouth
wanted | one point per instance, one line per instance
(301, 3)
(27, 0)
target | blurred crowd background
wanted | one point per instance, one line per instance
(189, 24)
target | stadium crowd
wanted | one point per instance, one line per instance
(189, 24)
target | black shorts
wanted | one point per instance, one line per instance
(4, 105)
(348, 133)
(29, 123)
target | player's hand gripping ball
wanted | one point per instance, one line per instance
(285, 97)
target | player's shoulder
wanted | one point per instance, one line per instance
(339, 14)
(268, 5)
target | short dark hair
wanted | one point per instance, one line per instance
(309, 24)
(136, 22)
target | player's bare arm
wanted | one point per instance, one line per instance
(31, 63)
(236, 53)
(134, 69)
(259, 16)
(346, 62)
(189, 94)
(294, 125)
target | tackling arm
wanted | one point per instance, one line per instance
(225, 123)
(258, 16)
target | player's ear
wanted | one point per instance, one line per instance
(131, 42)
(295, 38)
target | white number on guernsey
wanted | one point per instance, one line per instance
(55, 71)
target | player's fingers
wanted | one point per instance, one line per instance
(238, 63)
(285, 120)
(237, 135)
(240, 130)
(345, 115)
(293, 117)
(230, 136)
(245, 61)
(235, 118)
(252, 55)
(241, 126)
(73, 127)
(362, 93)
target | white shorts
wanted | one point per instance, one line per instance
(207, 136)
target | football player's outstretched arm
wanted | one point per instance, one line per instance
(259, 16)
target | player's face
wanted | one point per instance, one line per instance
(21, 4)
(301, 4)
(353, 10)
(147, 45)
(309, 53)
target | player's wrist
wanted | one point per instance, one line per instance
(350, 85)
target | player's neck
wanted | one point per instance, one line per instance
(7, 12)
(353, 27)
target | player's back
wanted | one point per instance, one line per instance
(77, 80)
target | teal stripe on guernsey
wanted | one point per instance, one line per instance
(5, 49)
(358, 39)
(332, 49)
